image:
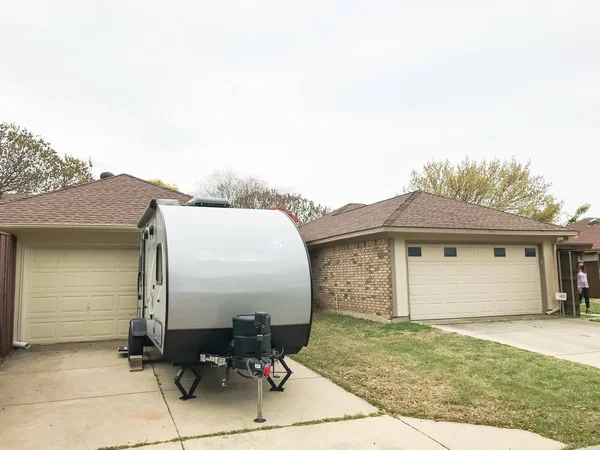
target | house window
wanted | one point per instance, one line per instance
(414, 251)
(450, 252)
(530, 252)
(159, 265)
(500, 252)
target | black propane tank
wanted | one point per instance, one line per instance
(245, 332)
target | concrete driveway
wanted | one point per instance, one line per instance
(571, 339)
(82, 396)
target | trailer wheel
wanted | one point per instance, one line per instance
(136, 344)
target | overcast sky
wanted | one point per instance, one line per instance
(338, 100)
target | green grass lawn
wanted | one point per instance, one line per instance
(419, 371)
(594, 305)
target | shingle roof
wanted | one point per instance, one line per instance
(418, 210)
(11, 197)
(119, 200)
(587, 235)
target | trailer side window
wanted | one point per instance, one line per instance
(159, 265)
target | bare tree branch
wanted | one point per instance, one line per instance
(254, 193)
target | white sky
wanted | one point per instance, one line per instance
(338, 100)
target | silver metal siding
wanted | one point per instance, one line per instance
(223, 262)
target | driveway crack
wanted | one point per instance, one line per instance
(167, 405)
(423, 433)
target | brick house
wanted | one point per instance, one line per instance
(419, 256)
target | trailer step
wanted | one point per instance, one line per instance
(123, 349)
(136, 363)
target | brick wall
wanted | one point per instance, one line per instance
(360, 274)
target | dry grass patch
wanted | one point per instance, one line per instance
(415, 370)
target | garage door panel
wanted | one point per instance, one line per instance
(47, 258)
(475, 283)
(43, 305)
(102, 304)
(42, 331)
(102, 328)
(128, 303)
(72, 258)
(71, 329)
(103, 278)
(78, 294)
(124, 261)
(127, 279)
(104, 258)
(72, 305)
(44, 280)
(72, 279)
(123, 327)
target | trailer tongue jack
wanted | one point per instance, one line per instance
(249, 353)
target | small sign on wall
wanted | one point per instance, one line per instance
(561, 296)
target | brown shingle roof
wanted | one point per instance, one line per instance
(119, 201)
(418, 210)
(587, 235)
(11, 197)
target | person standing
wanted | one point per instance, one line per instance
(584, 287)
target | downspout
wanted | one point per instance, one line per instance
(21, 344)
(572, 282)
(560, 278)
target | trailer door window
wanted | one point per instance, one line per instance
(159, 265)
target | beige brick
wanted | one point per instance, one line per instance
(358, 274)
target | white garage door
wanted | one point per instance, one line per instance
(479, 281)
(78, 294)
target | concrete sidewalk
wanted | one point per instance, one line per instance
(382, 432)
(82, 396)
(570, 339)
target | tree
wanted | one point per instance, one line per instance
(253, 193)
(29, 165)
(161, 183)
(504, 185)
(578, 213)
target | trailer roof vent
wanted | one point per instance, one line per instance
(209, 202)
(593, 223)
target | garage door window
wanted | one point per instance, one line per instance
(530, 252)
(450, 252)
(500, 252)
(414, 251)
(159, 265)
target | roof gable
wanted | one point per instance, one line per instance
(587, 235)
(115, 201)
(418, 210)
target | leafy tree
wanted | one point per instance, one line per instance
(578, 213)
(163, 184)
(253, 193)
(504, 185)
(29, 165)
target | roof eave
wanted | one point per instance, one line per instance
(463, 231)
(79, 226)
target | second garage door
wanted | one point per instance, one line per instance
(453, 281)
(78, 294)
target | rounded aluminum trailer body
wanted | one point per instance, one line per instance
(220, 262)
